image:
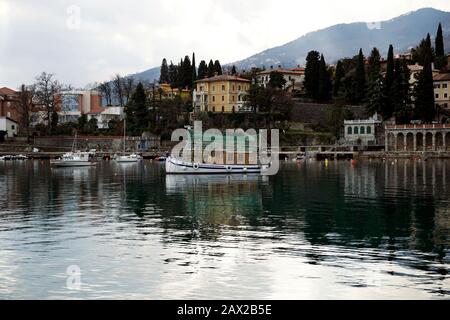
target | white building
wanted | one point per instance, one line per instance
(294, 77)
(104, 117)
(9, 126)
(363, 132)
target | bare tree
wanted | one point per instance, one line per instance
(129, 87)
(118, 85)
(24, 105)
(47, 89)
(106, 90)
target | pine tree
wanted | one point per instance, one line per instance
(338, 76)
(137, 113)
(324, 89)
(217, 68)
(360, 80)
(164, 77)
(210, 69)
(311, 82)
(375, 93)
(202, 70)
(233, 70)
(186, 73)
(440, 61)
(424, 107)
(194, 69)
(388, 108)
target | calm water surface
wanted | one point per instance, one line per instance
(375, 230)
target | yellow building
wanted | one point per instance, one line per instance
(442, 90)
(165, 91)
(223, 93)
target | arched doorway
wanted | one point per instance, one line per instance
(409, 141)
(428, 141)
(391, 141)
(419, 141)
(439, 141)
(400, 142)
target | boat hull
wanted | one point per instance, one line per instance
(174, 166)
(58, 163)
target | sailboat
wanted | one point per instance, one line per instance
(132, 158)
(74, 158)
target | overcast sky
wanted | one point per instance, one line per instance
(82, 41)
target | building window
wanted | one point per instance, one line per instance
(239, 88)
(349, 130)
(223, 109)
(444, 85)
(214, 99)
(233, 87)
(233, 109)
(214, 88)
(201, 88)
(437, 95)
(356, 130)
(363, 130)
(214, 109)
(445, 95)
(369, 130)
(232, 98)
(14, 127)
(223, 98)
(223, 88)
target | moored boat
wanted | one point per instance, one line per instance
(132, 158)
(175, 166)
(74, 159)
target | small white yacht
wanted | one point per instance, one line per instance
(74, 159)
(132, 158)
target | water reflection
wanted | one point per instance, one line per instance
(375, 230)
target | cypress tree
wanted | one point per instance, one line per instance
(202, 70)
(210, 69)
(324, 89)
(338, 76)
(233, 70)
(186, 73)
(423, 51)
(217, 68)
(440, 61)
(164, 76)
(194, 69)
(173, 75)
(360, 79)
(311, 82)
(424, 107)
(401, 93)
(388, 80)
(375, 94)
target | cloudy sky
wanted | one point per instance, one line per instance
(83, 41)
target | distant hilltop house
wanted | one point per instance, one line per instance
(73, 104)
(221, 93)
(164, 91)
(365, 132)
(294, 78)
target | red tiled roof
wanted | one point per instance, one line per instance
(441, 77)
(224, 77)
(7, 91)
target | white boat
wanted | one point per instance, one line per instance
(13, 157)
(132, 158)
(175, 166)
(74, 159)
